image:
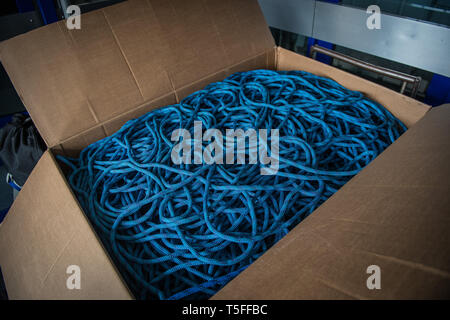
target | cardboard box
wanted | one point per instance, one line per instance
(127, 59)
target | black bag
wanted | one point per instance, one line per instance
(21, 146)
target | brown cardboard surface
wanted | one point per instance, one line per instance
(394, 214)
(43, 234)
(125, 56)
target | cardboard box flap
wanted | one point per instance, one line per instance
(44, 239)
(126, 55)
(393, 215)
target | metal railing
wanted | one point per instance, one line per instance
(403, 77)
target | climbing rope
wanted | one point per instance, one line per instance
(184, 230)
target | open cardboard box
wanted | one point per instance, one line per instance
(127, 59)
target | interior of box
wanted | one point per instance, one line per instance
(407, 110)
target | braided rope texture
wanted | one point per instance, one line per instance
(184, 230)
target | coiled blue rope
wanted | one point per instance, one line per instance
(179, 231)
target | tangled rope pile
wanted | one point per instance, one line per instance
(185, 230)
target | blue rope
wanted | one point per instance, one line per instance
(185, 230)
